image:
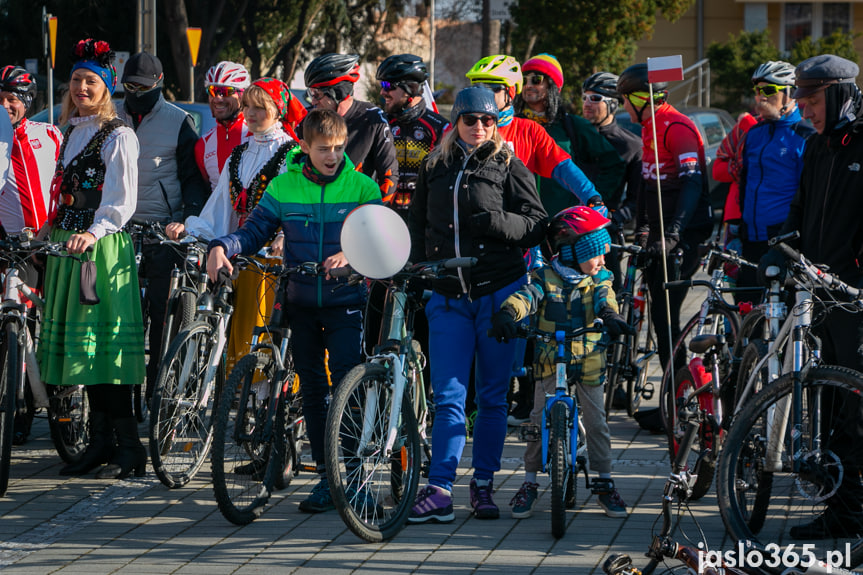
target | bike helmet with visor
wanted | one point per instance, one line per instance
(498, 69)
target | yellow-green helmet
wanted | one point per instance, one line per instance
(497, 69)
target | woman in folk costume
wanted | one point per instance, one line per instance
(96, 339)
(269, 109)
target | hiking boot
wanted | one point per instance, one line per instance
(319, 500)
(433, 504)
(609, 499)
(522, 503)
(481, 501)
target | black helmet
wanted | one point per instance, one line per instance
(18, 81)
(331, 69)
(402, 68)
(634, 79)
(604, 83)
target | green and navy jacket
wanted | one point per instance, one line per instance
(561, 305)
(311, 216)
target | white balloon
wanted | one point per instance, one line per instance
(376, 241)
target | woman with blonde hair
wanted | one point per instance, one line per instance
(473, 198)
(250, 168)
(92, 332)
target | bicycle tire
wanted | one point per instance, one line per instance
(69, 421)
(11, 364)
(643, 345)
(795, 498)
(558, 456)
(373, 491)
(291, 425)
(183, 405)
(618, 357)
(702, 458)
(180, 307)
(752, 354)
(242, 478)
(719, 320)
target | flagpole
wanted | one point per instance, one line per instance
(663, 257)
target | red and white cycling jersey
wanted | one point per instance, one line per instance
(25, 197)
(215, 147)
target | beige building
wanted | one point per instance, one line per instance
(710, 21)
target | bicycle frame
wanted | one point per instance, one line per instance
(561, 393)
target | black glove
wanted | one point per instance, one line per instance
(621, 216)
(773, 257)
(503, 326)
(614, 323)
(641, 235)
(671, 241)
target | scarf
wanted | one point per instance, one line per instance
(314, 176)
(569, 275)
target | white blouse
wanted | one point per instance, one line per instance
(120, 156)
(218, 217)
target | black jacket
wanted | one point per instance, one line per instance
(828, 206)
(477, 206)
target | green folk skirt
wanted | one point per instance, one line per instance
(93, 344)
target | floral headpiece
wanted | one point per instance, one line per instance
(98, 57)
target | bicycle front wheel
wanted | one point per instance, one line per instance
(702, 457)
(242, 477)
(69, 420)
(558, 456)
(798, 484)
(372, 487)
(183, 404)
(10, 376)
(642, 351)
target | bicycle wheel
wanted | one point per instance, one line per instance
(618, 356)
(242, 481)
(373, 490)
(290, 422)
(10, 376)
(179, 316)
(642, 351)
(752, 354)
(757, 464)
(719, 321)
(69, 420)
(558, 463)
(181, 421)
(702, 458)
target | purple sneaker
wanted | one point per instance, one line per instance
(433, 503)
(481, 501)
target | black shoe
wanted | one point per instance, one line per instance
(618, 401)
(828, 525)
(129, 455)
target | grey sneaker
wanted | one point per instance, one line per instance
(522, 503)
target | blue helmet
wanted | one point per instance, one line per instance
(474, 100)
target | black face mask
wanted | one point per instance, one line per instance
(142, 102)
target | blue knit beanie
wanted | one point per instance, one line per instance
(591, 245)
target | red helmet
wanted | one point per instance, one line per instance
(572, 223)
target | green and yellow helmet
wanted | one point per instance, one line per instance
(497, 69)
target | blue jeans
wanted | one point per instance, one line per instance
(457, 333)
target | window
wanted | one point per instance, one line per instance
(711, 126)
(815, 19)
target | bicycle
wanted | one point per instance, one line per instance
(376, 425)
(630, 355)
(663, 547)
(191, 376)
(67, 406)
(561, 426)
(787, 453)
(259, 420)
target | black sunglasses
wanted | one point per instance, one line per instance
(471, 119)
(493, 87)
(389, 86)
(535, 79)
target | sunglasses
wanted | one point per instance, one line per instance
(389, 86)
(471, 119)
(535, 79)
(493, 87)
(137, 88)
(595, 98)
(222, 91)
(768, 90)
(642, 98)
(316, 95)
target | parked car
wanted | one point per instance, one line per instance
(200, 113)
(714, 124)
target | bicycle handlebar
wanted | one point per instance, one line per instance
(557, 336)
(810, 270)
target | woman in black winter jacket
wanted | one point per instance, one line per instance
(473, 198)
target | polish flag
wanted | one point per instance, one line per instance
(665, 69)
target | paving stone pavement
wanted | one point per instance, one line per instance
(57, 525)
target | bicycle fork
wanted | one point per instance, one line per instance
(372, 405)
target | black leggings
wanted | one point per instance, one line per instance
(112, 399)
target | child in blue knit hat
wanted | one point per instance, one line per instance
(569, 294)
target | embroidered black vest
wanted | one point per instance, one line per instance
(244, 200)
(77, 188)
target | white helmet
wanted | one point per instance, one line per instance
(228, 74)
